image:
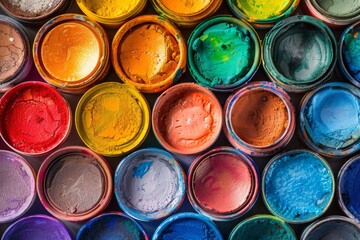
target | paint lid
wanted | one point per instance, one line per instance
(112, 226)
(223, 184)
(300, 53)
(17, 186)
(187, 118)
(187, 225)
(262, 226)
(149, 53)
(185, 14)
(74, 183)
(329, 119)
(112, 118)
(71, 52)
(283, 181)
(37, 227)
(259, 119)
(224, 53)
(35, 118)
(332, 227)
(349, 53)
(262, 13)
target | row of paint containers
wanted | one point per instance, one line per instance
(218, 190)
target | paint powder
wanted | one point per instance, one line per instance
(186, 7)
(339, 8)
(148, 54)
(351, 52)
(75, 183)
(263, 9)
(12, 51)
(70, 52)
(31, 8)
(110, 8)
(223, 54)
(222, 183)
(335, 230)
(259, 117)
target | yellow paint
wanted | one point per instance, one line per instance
(111, 8)
(263, 9)
(70, 52)
(186, 7)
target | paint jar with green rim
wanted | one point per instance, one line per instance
(185, 13)
(111, 13)
(262, 13)
(299, 53)
(112, 118)
(223, 53)
(149, 53)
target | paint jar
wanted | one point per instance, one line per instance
(259, 119)
(299, 53)
(349, 53)
(149, 53)
(112, 118)
(262, 13)
(111, 13)
(15, 57)
(332, 228)
(74, 184)
(262, 226)
(36, 227)
(112, 226)
(34, 12)
(187, 225)
(298, 186)
(348, 188)
(185, 14)
(149, 184)
(335, 13)
(329, 119)
(71, 52)
(187, 119)
(223, 184)
(224, 53)
(17, 186)
(35, 118)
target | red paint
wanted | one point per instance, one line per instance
(35, 118)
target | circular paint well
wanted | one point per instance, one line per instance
(149, 184)
(283, 183)
(35, 118)
(187, 118)
(262, 227)
(17, 186)
(223, 183)
(37, 227)
(329, 119)
(112, 118)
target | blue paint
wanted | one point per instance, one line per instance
(298, 186)
(142, 169)
(351, 51)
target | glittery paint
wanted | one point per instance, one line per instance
(283, 183)
(110, 8)
(338, 8)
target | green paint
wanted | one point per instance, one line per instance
(340, 8)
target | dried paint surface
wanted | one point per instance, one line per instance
(263, 9)
(351, 52)
(12, 51)
(70, 52)
(259, 117)
(339, 8)
(110, 8)
(30, 8)
(148, 54)
(188, 7)
(75, 183)
(335, 230)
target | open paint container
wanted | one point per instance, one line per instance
(37, 227)
(17, 186)
(187, 226)
(71, 52)
(329, 119)
(298, 186)
(35, 118)
(149, 53)
(112, 226)
(224, 53)
(299, 53)
(262, 227)
(187, 118)
(259, 119)
(223, 184)
(112, 118)
(149, 184)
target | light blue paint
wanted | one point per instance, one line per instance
(140, 170)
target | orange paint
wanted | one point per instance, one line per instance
(186, 7)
